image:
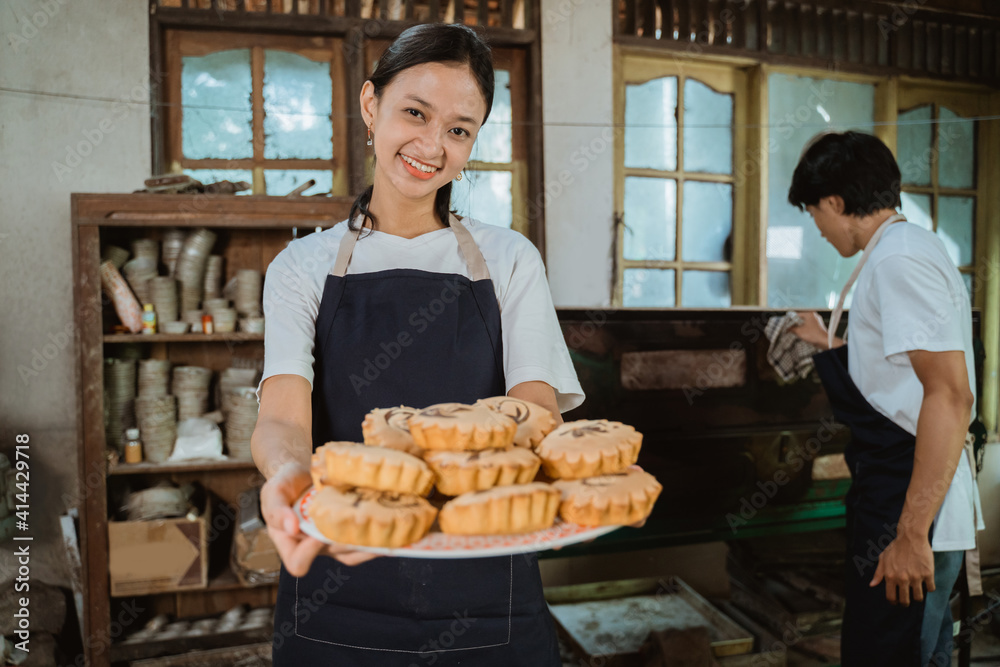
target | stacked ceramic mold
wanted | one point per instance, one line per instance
(155, 410)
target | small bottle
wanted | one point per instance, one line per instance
(132, 446)
(207, 326)
(148, 319)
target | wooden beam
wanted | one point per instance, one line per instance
(176, 17)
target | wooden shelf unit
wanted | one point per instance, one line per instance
(251, 232)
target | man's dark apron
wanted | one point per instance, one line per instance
(880, 457)
(408, 337)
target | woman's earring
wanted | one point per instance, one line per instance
(369, 135)
(459, 177)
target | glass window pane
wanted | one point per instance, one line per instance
(914, 141)
(495, 142)
(956, 151)
(708, 221)
(484, 196)
(706, 289)
(281, 182)
(708, 129)
(955, 217)
(215, 97)
(298, 100)
(967, 277)
(207, 176)
(650, 218)
(651, 124)
(806, 272)
(649, 288)
(917, 209)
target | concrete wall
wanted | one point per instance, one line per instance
(578, 112)
(52, 145)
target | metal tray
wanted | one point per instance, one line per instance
(604, 627)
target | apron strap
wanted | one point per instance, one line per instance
(346, 250)
(473, 256)
(839, 310)
(466, 244)
(973, 575)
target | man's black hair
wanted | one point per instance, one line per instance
(857, 167)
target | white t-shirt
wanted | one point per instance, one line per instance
(910, 296)
(533, 344)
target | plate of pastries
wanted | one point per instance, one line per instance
(494, 478)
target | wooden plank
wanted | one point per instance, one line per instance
(934, 48)
(854, 28)
(507, 13)
(648, 18)
(90, 496)
(99, 208)
(355, 70)
(947, 49)
(533, 133)
(739, 24)
(180, 468)
(776, 28)
(157, 83)
(684, 20)
(483, 13)
(320, 25)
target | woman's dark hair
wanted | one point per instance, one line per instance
(431, 43)
(857, 167)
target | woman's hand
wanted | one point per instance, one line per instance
(813, 330)
(296, 549)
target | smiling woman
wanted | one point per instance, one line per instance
(405, 304)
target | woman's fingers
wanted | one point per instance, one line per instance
(302, 555)
(353, 557)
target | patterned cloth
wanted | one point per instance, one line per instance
(788, 354)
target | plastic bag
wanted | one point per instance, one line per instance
(198, 438)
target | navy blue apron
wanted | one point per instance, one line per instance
(409, 337)
(880, 457)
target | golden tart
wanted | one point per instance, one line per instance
(589, 447)
(380, 468)
(456, 473)
(503, 510)
(621, 498)
(389, 427)
(459, 427)
(533, 421)
(370, 518)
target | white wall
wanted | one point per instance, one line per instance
(91, 49)
(578, 112)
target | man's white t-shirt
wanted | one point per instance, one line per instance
(910, 296)
(533, 345)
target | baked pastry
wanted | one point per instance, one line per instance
(503, 510)
(589, 447)
(620, 498)
(533, 421)
(389, 427)
(456, 473)
(459, 427)
(370, 518)
(379, 468)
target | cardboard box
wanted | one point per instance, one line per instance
(158, 556)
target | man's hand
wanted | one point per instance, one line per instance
(906, 563)
(813, 331)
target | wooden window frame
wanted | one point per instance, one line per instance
(633, 66)
(892, 93)
(181, 43)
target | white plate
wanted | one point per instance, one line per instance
(440, 545)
